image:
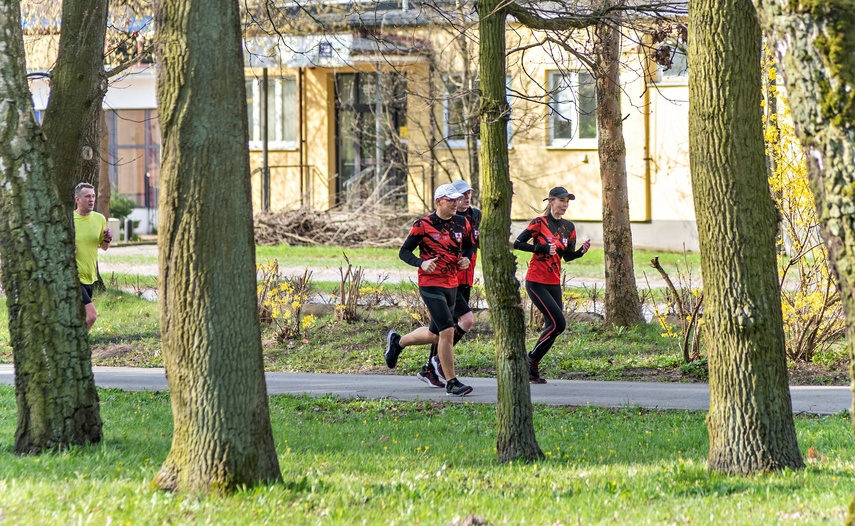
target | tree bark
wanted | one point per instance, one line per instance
(515, 435)
(750, 421)
(210, 331)
(815, 46)
(622, 306)
(54, 388)
(105, 191)
(77, 86)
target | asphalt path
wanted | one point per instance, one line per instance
(820, 400)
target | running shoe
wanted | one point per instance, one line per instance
(437, 367)
(392, 349)
(533, 372)
(427, 376)
(455, 388)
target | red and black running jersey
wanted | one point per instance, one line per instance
(448, 240)
(473, 215)
(542, 231)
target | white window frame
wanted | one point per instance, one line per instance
(459, 144)
(278, 96)
(563, 100)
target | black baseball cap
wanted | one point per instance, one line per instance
(560, 192)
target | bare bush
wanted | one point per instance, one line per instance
(377, 227)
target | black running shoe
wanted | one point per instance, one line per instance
(392, 349)
(437, 367)
(427, 376)
(533, 372)
(454, 387)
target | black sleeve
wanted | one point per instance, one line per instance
(574, 254)
(571, 253)
(522, 243)
(406, 252)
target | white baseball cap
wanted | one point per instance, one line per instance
(461, 186)
(446, 191)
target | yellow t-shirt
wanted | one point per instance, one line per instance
(88, 235)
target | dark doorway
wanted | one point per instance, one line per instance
(357, 133)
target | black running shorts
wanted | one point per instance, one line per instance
(440, 304)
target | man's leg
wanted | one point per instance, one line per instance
(91, 315)
(445, 350)
(420, 336)
(88, 306)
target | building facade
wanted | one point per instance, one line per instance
(380, 107)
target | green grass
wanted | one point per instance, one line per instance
(589, 266)
(388, 462)
(128, 334)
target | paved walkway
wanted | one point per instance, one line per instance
(653, 395)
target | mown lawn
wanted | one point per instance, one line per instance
(128, 334)
(590, 266)
(388, 462)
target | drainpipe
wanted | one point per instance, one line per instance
(305, 191)
(648, 159)
(378, 132)
(265, 153)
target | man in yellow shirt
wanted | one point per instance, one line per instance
(90, 233)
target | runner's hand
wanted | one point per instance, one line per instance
(586, 245)
(463, 263)
(429, 265)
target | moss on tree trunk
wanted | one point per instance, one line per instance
(211, 337)
(622, 306)
(515, 435)
(54, 388)
(815, 45)
(77, 88)
(750, 421)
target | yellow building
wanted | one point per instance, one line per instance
(380, 106)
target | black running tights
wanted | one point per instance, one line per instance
(547, 299)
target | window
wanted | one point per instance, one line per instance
(678, 71)
(281, 112)
(460, 111)
(572, 109)
(133, 154)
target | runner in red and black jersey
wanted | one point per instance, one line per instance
(432, 372)
(551, 239)
(444, 240)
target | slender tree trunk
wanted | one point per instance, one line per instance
(815, 46)
(750, 421)
(210, 332)
(105, 191)
(515, 436)
(470, 105)
(77, 87)
(622, 306)
(54, 388)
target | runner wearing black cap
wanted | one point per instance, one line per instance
(550, 238)
(432, 372)
(444, 240)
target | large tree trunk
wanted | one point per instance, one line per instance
(515, 436)
(750, 421)
(622, 306)
(54, 388)
(815, 47)
(77, 86)
(210, 332)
